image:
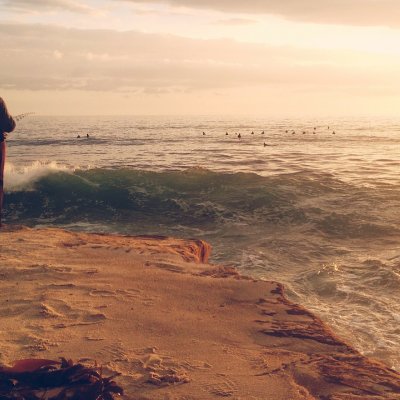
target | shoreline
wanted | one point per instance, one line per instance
(152, 309)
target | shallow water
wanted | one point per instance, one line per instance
(316, 211)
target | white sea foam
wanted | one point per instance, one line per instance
(23, 177)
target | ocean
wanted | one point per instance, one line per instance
(314, 204)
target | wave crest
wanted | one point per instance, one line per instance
(23, 178)
(316, 203)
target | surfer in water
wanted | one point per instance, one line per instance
(7, 124)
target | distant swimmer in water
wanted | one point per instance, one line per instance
(226, 134)
(204, 134)
(265, 144)
(262, 133)
(293, 133)
(252, 132)
(78, 137)
(87, 135)
(286, 131)
(239, 136)
(304, 132)
(333, 133)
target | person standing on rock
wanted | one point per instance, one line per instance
(7, 124)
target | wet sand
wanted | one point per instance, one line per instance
(173, 326)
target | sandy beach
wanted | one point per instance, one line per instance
(173, 326)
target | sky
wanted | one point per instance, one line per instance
(272, 58)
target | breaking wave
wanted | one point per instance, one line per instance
(23, 178)
(199, 197)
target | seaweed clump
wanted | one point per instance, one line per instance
(36, 379)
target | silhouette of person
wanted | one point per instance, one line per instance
(7, 124)
(87, 135)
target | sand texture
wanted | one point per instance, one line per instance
(175, 327)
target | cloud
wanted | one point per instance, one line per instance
(33, 6)
(40, 57)
(341, 12)
(58, 55)
(236, 21)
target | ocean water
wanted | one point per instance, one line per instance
(319, 211)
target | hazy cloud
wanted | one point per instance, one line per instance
(46, 5)
(236, 21)
(58, 55)
(342, 12)
(54, 58)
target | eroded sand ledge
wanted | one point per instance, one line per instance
(173, 326)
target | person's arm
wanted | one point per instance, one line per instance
(7, 123)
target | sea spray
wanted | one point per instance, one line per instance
(18, 178)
